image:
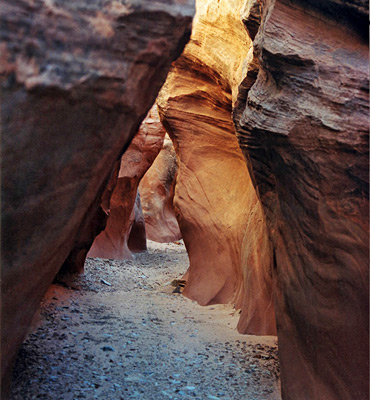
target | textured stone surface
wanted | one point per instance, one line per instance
(157, 189)
(77, 80)
(304, 127)
(112, 242)
(218, 211)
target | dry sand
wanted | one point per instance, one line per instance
(119, 332)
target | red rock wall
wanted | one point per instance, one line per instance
(303, 126)
(217, 208)
(210, 221)
(157, 189)
(112, 242)
(76, 83)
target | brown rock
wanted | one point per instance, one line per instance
(137, 239)
(77, 81)
(157, 189)
(217, 207)
(303, 126)
(112, 242)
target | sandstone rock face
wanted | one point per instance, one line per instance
(157, 189)
(217, 208)
(77, 80)
(303, 126)
(125, 207)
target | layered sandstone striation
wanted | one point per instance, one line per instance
(217, 208)
(77, 80)
(303, 126)
(125, 218)
(157, 189)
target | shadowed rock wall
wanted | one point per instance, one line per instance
(303, 126)
(137, 238)
(157, 189)
(77, 80)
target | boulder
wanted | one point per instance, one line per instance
(77, 80)
(303, 123)
(157, 189)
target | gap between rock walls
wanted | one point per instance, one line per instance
(127, 333)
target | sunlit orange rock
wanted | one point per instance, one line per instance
(157, 189)
(218, 211)
(303, 123)
(112, 242)
(76, 84)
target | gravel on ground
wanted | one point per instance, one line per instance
(119, 332)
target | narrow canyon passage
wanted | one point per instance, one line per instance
(118, 332)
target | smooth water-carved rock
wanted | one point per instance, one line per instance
(77, 80)
(157, 189)
(125, 207)
(215, 201)
(303, 126)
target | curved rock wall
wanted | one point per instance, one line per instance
(157, 189)
(218, 211)
(303, 126)
(77, 80)
(112, 242)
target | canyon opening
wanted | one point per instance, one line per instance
(184, 199)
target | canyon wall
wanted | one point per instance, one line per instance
(77, 80)
(218, 211)
(157, 189)
(302, 119)
(285, 225)
(125, 206)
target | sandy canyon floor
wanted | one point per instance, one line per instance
(118, 332)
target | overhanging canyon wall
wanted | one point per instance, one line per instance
(219, 215)
(303, 125)
(113, 241)
(77, 80)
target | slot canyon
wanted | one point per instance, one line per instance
(185, 203)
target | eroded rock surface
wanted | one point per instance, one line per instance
(157, 189)
(77, 80)
(112, 242)
(303, 126)
(218, 211)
